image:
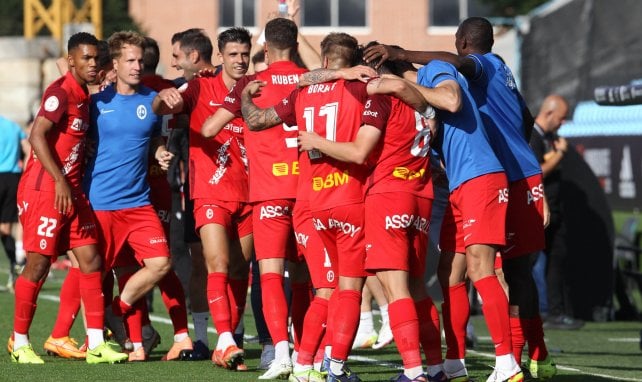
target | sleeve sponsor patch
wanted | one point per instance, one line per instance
(52, 103)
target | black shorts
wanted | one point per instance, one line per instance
(8, 203)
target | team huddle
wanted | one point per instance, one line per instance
(327, 174)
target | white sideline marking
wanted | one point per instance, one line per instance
(624, 339)
(376, 362)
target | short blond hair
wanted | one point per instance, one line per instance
(119, 39)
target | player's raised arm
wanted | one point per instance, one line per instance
(402, 89)
(317, 76)
(255, 117)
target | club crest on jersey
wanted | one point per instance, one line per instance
(141, 112)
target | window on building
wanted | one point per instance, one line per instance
(237, 13)
(333, 13)
(448, 13)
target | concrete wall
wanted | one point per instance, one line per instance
(22, 74)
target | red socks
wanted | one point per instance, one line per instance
(275, 308)
(455, 310)
(429, 333)
(301, 297)
(345, 323)
(237, 296)
(495, 309)
(218, 302)
(313, 330)
(91, 295)
(174, 299)
(534, 334)
(69, 304)
(26, 295)
(405, 330)
(517, 338)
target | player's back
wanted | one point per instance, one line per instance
(333, 110)
(462, 142)
(272, 153)
(501, 108)
(400, 160)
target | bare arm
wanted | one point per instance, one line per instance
(38, 140)
(318, 76)
(385, 52)
(168, 101)
(445, 96)
(353, 152)
(400, 88)
(216, 122)
(255, 117)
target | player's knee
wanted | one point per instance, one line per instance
(159, 266)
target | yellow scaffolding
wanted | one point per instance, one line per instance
(59, 13)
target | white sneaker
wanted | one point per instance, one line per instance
(365, 340)
(511, 376)
(385, 336)
(278, 369)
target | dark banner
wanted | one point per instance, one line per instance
(616, 161)
(570, 48)
(589, 229)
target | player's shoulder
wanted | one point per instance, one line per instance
(147, 92)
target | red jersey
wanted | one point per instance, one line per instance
(400, 160)
(217, 166)
(66, 104)
(273, 153)
(332, 110)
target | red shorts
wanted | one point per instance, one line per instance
(476, 214)
(130, 232)
(342, 233)
(321, 266)
(525, 218)
(273, 232)
(234, 216)
(397, 232)
(49, 232)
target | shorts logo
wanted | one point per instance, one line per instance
(503, 195)
(141, 112)
(52, 103)
(404, 221)
(274, 211)
(534, 194)
(43, 244)
(209, 213)
(346, 228)
(88, 227)
(469, 223)
(157, 240)
(329, 276)
(302, 239)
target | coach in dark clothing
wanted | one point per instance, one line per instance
(549, 149)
